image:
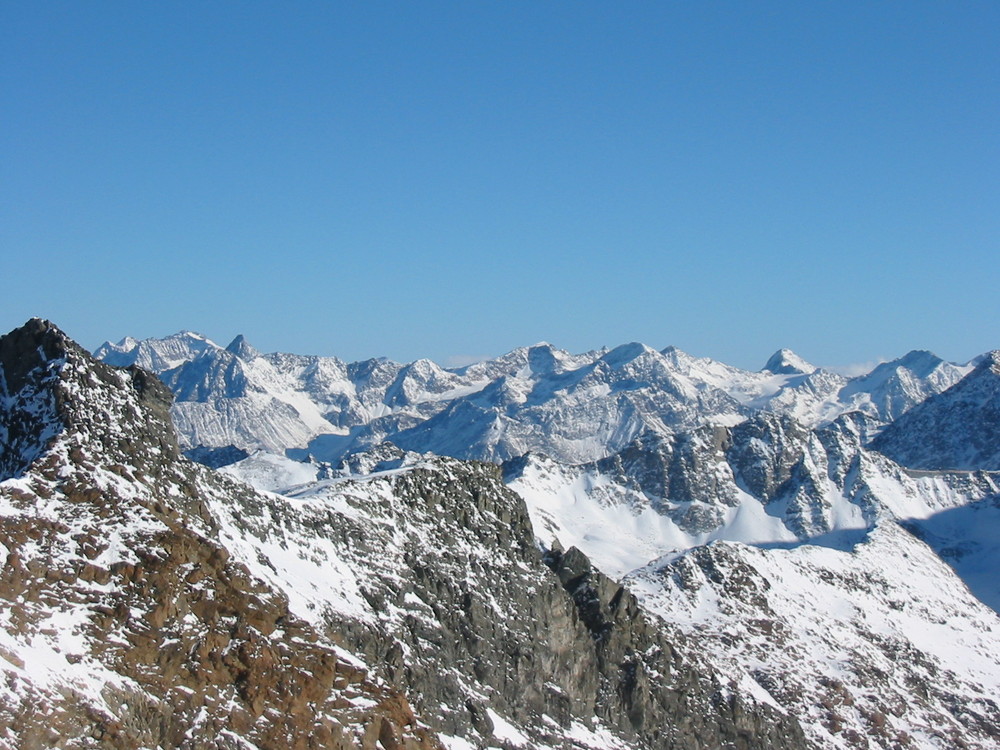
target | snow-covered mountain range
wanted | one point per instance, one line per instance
(659, 550)
(572, 408)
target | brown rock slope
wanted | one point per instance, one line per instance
(122, 624)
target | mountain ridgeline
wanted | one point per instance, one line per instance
(571, 408)
(627, 548)
(152, 602)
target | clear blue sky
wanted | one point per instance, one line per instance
(444, 179)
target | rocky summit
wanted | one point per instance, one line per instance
(126, 622)
(213, 547)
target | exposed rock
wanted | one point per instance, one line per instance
(124, 624)
(648, 690)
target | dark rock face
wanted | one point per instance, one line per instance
(646, 690)
(765, 451)
(695, 477)
(28, 410)
(468, 619)
(216, 458)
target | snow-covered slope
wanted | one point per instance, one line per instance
(156, 355)
(276, 402)
(956, 429)
(151, 602)
(123, 620)
(787, 362)
(871, 644)
(766, 480)
(571, 414)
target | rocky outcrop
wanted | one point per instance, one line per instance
(646, 690)
(858, 639)
(455, 601)
(124, 623)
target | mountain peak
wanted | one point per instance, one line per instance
(787, 362)
(957, 429)
(625, 353)
(242, 348)
(919, 361)
(32, 345)
(542, 358)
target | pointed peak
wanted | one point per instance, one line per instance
(241, 348)
(36, 342)
(919, 361)
(787, 362)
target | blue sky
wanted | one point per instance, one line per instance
(458, 179)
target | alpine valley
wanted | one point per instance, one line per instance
(211, 547)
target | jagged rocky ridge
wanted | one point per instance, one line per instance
(642, 458)
(151, 602)
(125, 621)
(768, 479)
(956, 429)
(458, 604)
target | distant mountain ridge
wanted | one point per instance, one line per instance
(958, 428)
(573, 408)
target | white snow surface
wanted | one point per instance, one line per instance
(621, 527)
(273, 473)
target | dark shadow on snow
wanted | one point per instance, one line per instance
(968, 539)
(844, 540)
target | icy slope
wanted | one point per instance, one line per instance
(766, 480)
